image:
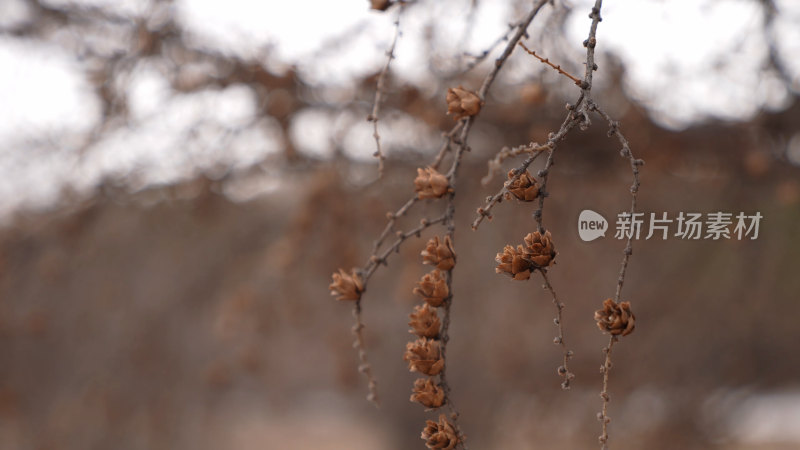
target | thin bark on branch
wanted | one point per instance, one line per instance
(546, 61)
(379, 91)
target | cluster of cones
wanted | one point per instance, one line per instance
(424, 354)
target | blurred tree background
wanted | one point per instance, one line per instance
(180, 179)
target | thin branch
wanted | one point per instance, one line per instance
(483, 212)
(381, 259)
(544, 174)
(449, 223)
(627, 252)
(461, 148)
(366, 273)
(559, 340)
(364, 366)
(495, 163)
(552, 140)
(590, 44)
(602, 416)
(392, 216)
(626, 152)
(376, 105)
(479, 58)
(486, 210)
(498, 63)
(575, 115)
(446, 145)
(579, 108)
(558, 68)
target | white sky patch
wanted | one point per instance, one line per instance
(33, 177)
(294, 27)
(767, 418)
(126, 7)
(793, 150)
(13, 12)
(147, 92)
(359, 56)
(773, 92)
(688, 59)
(672, 49)
(412, 50)
(168, 143)
(398, 131)
(42, 88)
(253, 144)
(311, 130)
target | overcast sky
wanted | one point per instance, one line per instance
(669, 47)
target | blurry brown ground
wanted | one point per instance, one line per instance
(174, 318)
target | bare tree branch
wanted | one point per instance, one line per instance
(379, 91)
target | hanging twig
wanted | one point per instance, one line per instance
(379, 91)
(558, 68)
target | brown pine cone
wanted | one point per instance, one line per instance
(428, 393)
(523, 188)
(462, 103)
(539, 249)
(430, 183)
(514, 263)
(615, 318)
(432, 288)
(424, 321)
(440, 435)
(423, 356)
(347, 287)
(439, 254)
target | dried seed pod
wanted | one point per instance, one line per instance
(439, 253)
(346, 286)
(433, 288)
(441, 435)
(539, 249)
(430, 183)
(524, 188)
(423, 356)
(514, 263)
(462, 103)
(428, 393)
(615, 318)
(424, 321)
